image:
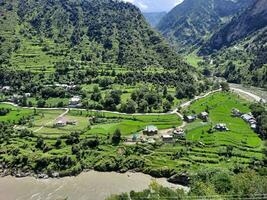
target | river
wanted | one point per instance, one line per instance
(90, 185)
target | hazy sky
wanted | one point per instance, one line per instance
(155, 5)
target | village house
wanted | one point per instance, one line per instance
(204, 116)
(250, 120)
(221, 127)
(190, 118)
(27, 95)
(5, 88)
(236, 112)
(75, 101)
(167, 138)
(178, 133)
(61, 122)
(15, 98)
(150, 130)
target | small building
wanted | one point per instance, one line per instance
(75, 100)
(204, 116)
(253, 126)
(61, 122)
(247, 117)
(6, 88)
(221, 127)
(167, 138)
(27, 95)
(150, 130)
(236, 112)
(190, 118)
(178, 133)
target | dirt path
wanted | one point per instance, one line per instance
(247, 94)
(175, 111)
(60, 116)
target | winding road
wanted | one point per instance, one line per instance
(234, 89)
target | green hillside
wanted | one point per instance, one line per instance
(36, 34)
(191, 23)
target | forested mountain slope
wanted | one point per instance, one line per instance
(240, 47)
(190, 23)
(40, 32)
(253, 19)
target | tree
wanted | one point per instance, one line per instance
(170, 98)
(129, 106)
(225, 87)
(166, 106)
(58, 143)
(143, 106)
(116, 138)
(41, 103)
(40, 143)
(165, 91)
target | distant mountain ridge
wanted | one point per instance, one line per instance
(153, 18)
(250, 21)
(190, 23)
(240, 47)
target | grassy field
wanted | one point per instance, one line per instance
(198, 150)
(15, 113)
(220, 106)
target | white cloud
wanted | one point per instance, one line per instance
(155, 5)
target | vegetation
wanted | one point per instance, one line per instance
(97, 142)
(215, 184)
(197, 20)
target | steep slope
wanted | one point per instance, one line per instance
(190, 23)
(153, 18)
(253, 19)
(239, 49)
(36, 33)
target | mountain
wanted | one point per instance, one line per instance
(250, 21)
(239, 49)
(153, 18)
(40, 33)
(190, 23)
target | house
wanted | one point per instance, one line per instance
(61, 122)
(253, 126)
(167, 138)
(6, 88)
(190, 118)
(221, 127)
(27, 95)
(204, 116)
(150, 130)
(75, 101)
(15, 98)
(236, 112)
(178, 133)
(247, 117)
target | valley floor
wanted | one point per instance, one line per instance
(67, 150)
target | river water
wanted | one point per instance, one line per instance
(86, 186)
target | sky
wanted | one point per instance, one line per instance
(155, 5)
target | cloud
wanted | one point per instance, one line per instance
(155, 5)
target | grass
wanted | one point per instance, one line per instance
(15, 113)
(220, 106)
(199, 150)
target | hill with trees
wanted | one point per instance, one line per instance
(89, 30)
(190, 23)
(239, 48)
